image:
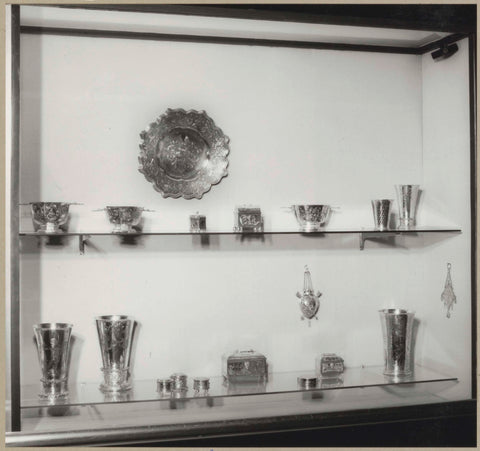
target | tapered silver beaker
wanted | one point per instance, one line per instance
(381, 213)
(397, 327)
(115, 335)
(53, 346)
(407, 197)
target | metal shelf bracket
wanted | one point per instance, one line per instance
(82, 241)
(374, 235)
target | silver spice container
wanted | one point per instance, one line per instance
(201, 385)
(179, 393)
(198, 223)
(179, 381)
(307, 382)
(164, 386)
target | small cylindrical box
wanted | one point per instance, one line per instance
(307, 381)
(164, 386)
(179, 381)
(179, 393)
(201, 384)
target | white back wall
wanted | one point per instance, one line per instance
(305, 126)
(446, 159)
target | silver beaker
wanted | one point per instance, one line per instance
(115, 335)
(397, 326)
(381, 213)
(407, 197)
(53, 346)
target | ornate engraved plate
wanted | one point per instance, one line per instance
(183, 154)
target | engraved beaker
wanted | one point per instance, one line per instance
(381, 213)
(115, 335)
(407, 197)
(53, 346)
(397, 327)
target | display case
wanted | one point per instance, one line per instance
(204, 306)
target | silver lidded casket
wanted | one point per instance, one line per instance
(245, 366)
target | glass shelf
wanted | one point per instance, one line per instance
(365, 230)
(145, 390)
(364, 233)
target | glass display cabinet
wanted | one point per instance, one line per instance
(297, 245)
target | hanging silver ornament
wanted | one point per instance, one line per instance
(448, 296)
(309, 301)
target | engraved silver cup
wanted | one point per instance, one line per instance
(49, 216)
(407, 197)
(115, 335)
(312, 218)
(53, 346)
(397, 326)
(381, 213)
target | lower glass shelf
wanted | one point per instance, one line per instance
(145, 390)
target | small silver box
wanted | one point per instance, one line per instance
(198, 223)
(248, 219)
(245, 366)
(329, 365)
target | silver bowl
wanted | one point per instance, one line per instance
(311, 218)
(49, 216)
(124, 218)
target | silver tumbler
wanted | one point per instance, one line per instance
(115, 335)
(53, 346)
(397, 326)
(407, 197)
(381, 213)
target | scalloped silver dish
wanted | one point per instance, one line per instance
(183, 154)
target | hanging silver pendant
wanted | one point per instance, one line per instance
(309, 301)
(448, 296)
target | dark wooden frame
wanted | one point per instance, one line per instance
(459, 31)
(452, 18)
(14, 225)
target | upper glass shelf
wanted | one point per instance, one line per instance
(145, 390)
(365, 230)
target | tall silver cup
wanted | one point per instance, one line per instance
(397, 326)
(381, 213)
(115, 335)
(407, 197)
(53, 346)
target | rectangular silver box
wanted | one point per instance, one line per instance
(245, 366)
(248, 219)
(329, 365)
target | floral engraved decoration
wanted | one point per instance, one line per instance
(54, 353)
(448, 296)
(183, 154)
(116, 344)
(49, 216)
